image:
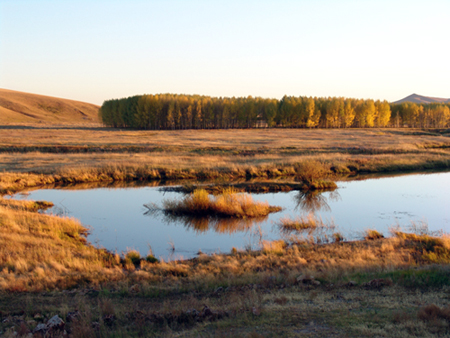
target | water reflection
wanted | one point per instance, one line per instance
(205, 224)
(310, 228)
(312, 201)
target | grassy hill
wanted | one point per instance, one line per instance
(414, 98)
(19, 107)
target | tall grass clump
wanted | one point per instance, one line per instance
(298, 224)
(371, 235)
(312, 170)
(307, 228)
(228, 204)
(133, 257)
(430, 248)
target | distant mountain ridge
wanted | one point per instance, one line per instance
(414, 98)
(20, 107)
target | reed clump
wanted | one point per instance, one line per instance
(228, 204)
(134, 257)
(299, 223)
(312, 170)
(372, 235)
(25, 205)
(319, 185)
(432, 248)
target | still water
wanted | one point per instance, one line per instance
(118, 220)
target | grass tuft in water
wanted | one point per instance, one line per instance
(228, 204)
(300, 223)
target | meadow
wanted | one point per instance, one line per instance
(31, 156)
(383, 287)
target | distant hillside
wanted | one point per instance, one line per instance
(414, 98)
(19, 107)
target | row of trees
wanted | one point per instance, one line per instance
(432, 115)
(171, 111)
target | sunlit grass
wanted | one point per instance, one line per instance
(228, 204)
(92, 155)
(39, 252)
(299, 223)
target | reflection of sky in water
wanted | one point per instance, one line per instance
(118, 221)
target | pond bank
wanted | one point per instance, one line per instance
(118, 219)
(13, 182)
(294, 285)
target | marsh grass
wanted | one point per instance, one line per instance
(134, 257)
(308, 229)
(311, 171)
(249, 187)
(287, 224)
(40, 251)
(25, 205)
(229, 204)
(371, 235)
(315, 156)
(281, 288)
(82, 168)
(260, 289)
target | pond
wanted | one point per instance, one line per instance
(118, 220)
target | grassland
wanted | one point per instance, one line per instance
(382, 287)
(18, 107)
(31, 156)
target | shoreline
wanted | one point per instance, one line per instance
(346, 288)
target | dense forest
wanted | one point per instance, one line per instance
(171, 111)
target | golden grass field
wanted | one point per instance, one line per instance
(18, 107)
(376, 287)
(80, 154)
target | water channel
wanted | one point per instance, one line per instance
(118, 220)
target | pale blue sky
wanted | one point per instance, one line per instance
(96, 50)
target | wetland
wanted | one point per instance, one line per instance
(118, 220)
(246, 277)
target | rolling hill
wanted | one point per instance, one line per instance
(19, 107)
(414, 98)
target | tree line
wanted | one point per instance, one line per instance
(173, 111)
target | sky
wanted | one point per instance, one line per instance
(94, 51)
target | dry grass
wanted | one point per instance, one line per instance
(76, 154)
(228, 204)
(19, 107)
(25, 205)
(372, 235)
(39, 251)
(281, 289)
(247, 142)
(300, 223)
(343, 289)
